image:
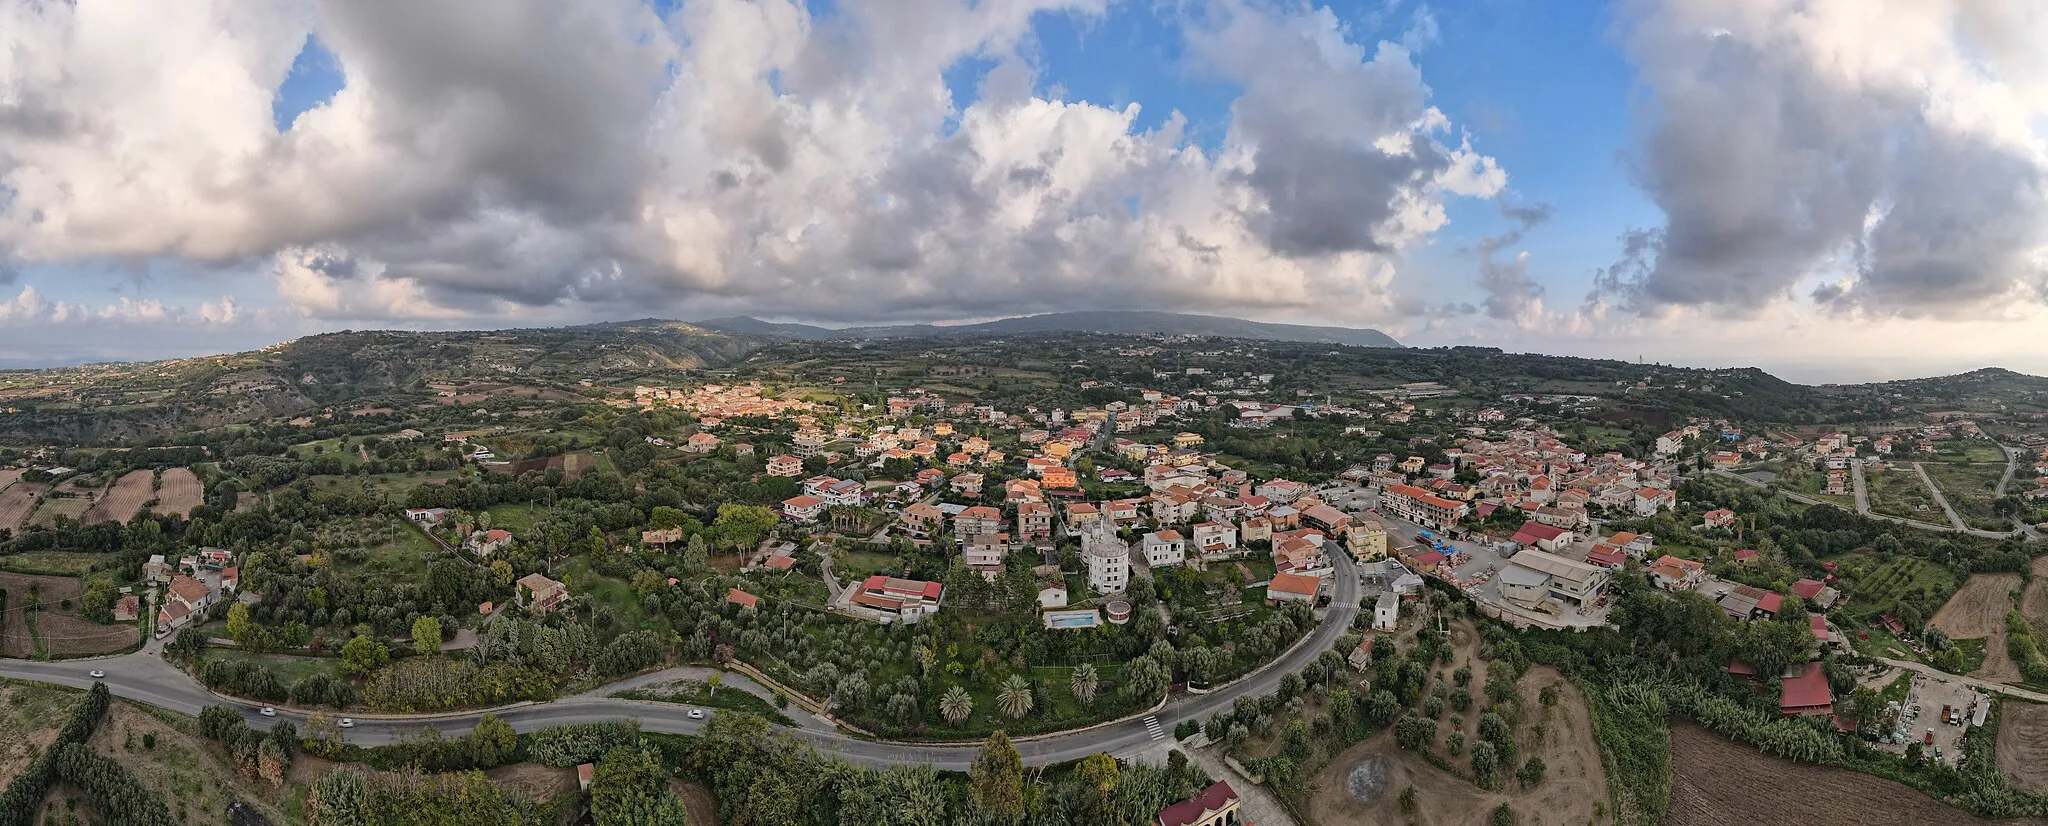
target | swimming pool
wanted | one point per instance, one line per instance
(1072, 619)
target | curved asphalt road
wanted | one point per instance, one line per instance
(144, 676)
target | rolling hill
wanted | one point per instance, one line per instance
(1135, 322)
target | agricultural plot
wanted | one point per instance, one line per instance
(57, 628)
(29, 716)
(1364, 784)
(1718, 781)
(178, 491)
(1977, 611)
(1901, 580)
(17, 501)
(67, 498)
(124, 499)
(1971, 490)
(1899, 492)
(8, 476)
(2022, 750)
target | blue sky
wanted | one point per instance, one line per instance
(338, 166)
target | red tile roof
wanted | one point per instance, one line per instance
(781, 563)
(1428, 559)
(1806, 692)
(1807, 588)
(739, 597)
(1205, 802)
(1298, 584)
(1534, 532)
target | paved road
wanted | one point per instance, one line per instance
(145, 676)
(1813, 500)
(1939, 674)
(1862, 489)
(1954, 518)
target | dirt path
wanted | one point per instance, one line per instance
(1717, 781)
(1977, 611)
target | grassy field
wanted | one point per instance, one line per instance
(55, 563)
(167, 755)
(1880, 585)
(515, 518)
(29, 716)
(608, 591)
(289, 669)
(1968, 451)
(1899, 492)
(1969, 489)
(1802, 479)
(850, 566)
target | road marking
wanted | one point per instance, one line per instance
(1152, 725)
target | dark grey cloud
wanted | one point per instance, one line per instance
(1779, 147)
(1510, 292)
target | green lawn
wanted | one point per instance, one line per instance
(856, 565)
(515, 517)
(404, 555)
(1973, 654)
(1875, 585)
(604, 590)
(289, 669)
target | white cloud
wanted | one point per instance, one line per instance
(589, 159)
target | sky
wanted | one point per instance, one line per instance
(1834, 190)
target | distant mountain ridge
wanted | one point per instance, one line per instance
(1136, 322)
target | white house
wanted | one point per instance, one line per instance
(1165, 548)
(1386, 613)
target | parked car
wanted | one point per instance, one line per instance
(267, 711)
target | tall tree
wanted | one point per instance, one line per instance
(1015, 698)
(996, 780)
(956, 706)
(426, 636)
(1085, 681)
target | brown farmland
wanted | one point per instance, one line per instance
(178, 491)
(62, 631)
(1977, 611)
(1718, 781)
(17, 501)
(2023, 744)
(124, 499)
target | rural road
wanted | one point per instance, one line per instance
(1911, 523)
(146, 677)
(1940, 498)
(1939, 674)
(1862, 489)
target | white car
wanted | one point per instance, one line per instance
(267, 711)
(348, 722)
(696, 714)
(96, 673)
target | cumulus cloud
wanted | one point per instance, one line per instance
(1892, 149)
(594, 159)
(1511, 294)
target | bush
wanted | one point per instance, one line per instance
(566, 746)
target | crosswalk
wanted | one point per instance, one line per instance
(1152, 726)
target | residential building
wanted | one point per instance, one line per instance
(1108, 559)
(1367, 540)
(1750, 602)
(968, 484)
(785, 466)
(984, 553)
(1422, 507)
(1212, 538)
(742, 599)
(540, 595)
(1386, 612)
(1216, 805)
(803, 509)
(700, 443)
(907, 599)
(1165, 548)
(978, 519)
(1327, 519)
(1569, 580)
(427, 516)
(1816, 592)
(921, 520)
(1673, 574)
(1649, 501)
(1293, 588)
(1060, 478)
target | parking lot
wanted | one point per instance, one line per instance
(1922, 713)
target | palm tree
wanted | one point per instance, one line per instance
(1015, 698)
(956, 706)
(1084, 683)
